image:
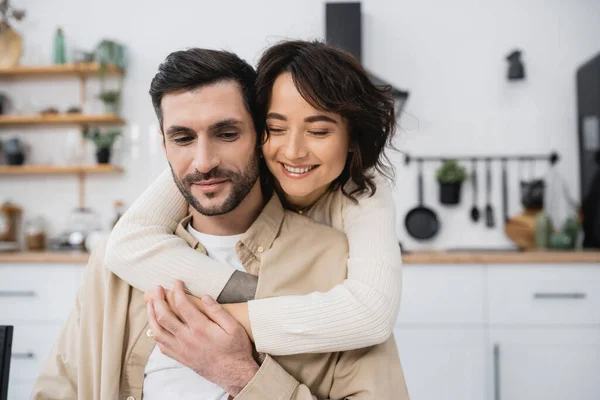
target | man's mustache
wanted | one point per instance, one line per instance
(215, 173)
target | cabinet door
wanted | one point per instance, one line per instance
(442, 363)
(544, 364)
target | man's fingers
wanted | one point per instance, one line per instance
(159, 334)
(188, 311)
(157, 294)
(166, 318)
(219, 315)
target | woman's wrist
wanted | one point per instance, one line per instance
(239, 311)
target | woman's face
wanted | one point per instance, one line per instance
(307, 148)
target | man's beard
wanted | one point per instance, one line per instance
(241, 184)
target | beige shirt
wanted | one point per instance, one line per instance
(103, 349)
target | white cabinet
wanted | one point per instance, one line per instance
(36, 299)
(442, 294)
(544, 364)
(501, 332)
(544, 294)
(443, 364)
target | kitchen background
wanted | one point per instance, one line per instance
(450, 56)
(474, 324)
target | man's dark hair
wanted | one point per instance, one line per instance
(332, 80)
(194, 68)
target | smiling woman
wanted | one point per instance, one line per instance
(327, 126)
(306, 148)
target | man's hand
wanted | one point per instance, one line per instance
(214, 345)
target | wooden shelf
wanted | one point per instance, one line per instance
(83, 69)
(58, 169)
(60, 119)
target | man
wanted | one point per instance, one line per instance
(107, 349)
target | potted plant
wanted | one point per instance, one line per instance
(111, 100)
(103, 142)
(450, 175)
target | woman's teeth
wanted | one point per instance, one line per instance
(297, 170)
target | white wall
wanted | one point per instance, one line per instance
(450, 55)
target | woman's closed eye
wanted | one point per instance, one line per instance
(276, 130)
(319, 132)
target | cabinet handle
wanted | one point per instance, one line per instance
(496, 371)
(559, 296)
(23, 356)
(16, 293)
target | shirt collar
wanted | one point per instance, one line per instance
(258, 238)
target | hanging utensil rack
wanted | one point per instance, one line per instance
(552, 158)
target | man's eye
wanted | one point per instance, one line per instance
(183, 140)
(230, 136)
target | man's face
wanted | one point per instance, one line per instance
(210, 143)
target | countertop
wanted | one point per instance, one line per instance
(433, 257)
(44, 257)
(502, 257)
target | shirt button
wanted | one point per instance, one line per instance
(131, 398)
(260, 249)
(149, 334)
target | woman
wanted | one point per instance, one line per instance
(326, 128)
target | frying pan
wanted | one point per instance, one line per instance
(421, 222)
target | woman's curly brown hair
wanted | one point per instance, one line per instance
(332, 80)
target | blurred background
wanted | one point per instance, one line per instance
(499, 101)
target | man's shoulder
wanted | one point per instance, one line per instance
(295, 224)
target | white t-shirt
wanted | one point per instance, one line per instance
(166, 378)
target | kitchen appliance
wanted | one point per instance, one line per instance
(6, 335)
(421, 222)
(343, 28)
(588, 105)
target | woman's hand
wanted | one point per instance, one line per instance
(239, 311)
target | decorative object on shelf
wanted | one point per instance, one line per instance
(516, 69)
(35, 234)
(80, 224)
(15, 150)
(11, 44)
(49, 111)
(451, 176)
(109, 52)
(3, 103)
(119, 210)
(11, 214)
(73, 110)
(111, 100)
(60, 52)
(103, 142)
(82, 56)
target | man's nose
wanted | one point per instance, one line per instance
(205, 158)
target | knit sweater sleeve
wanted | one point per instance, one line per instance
(144, 251)
(362, 310)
